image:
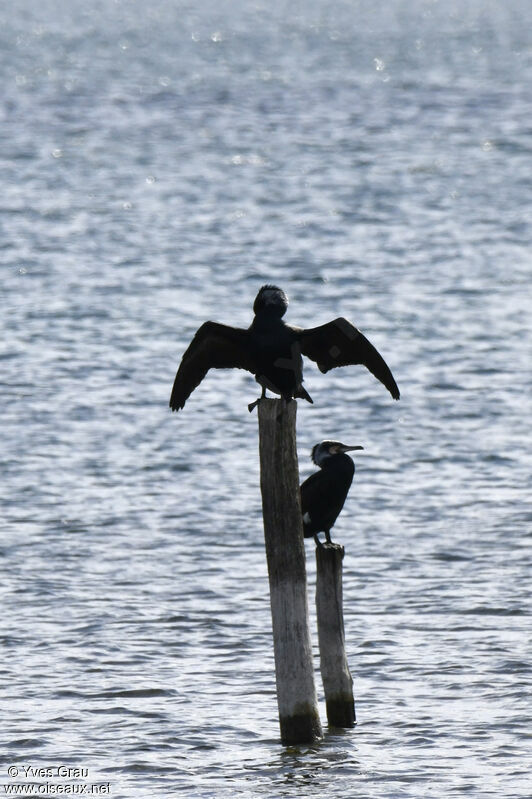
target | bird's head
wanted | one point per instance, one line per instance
(271, 298)
(326, 449)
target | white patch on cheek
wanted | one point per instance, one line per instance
(306, 518)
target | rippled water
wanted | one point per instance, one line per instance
(160, 164)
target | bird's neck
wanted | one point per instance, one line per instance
(339, 463)
(267, 319)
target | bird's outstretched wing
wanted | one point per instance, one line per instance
(214, 346)
(339, 343)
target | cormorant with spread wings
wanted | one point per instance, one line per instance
(271, 350)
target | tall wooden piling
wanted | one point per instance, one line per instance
(337, 680)
(285, 554)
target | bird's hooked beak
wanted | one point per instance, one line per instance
(345, 448)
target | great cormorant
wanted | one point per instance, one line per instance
(271, 350)
(323, 493)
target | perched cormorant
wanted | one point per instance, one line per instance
(323, 493)
(271, 350)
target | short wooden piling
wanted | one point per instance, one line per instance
(337, 680)
(285, 554)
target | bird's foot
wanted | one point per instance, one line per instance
(330, 546)
(253, 405)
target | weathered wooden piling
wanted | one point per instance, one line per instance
(285, 554)
(337, 680)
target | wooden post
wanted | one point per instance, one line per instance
(285, 554)
(337, 680)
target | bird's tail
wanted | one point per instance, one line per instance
(303, 394)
